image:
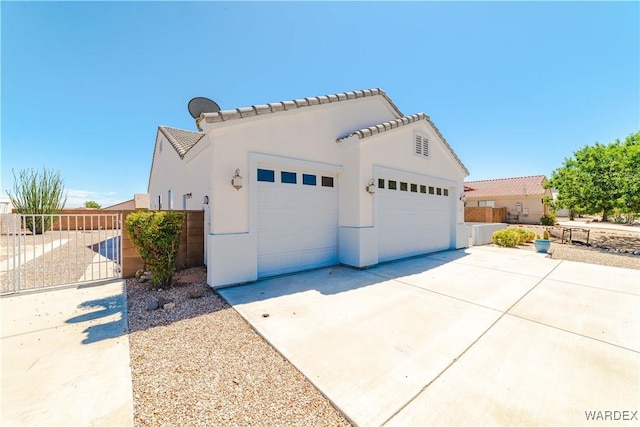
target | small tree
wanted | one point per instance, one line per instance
(90, 204)
(156, 235)
(600, 178)
(38, 192)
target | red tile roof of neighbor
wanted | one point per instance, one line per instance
(505, 187)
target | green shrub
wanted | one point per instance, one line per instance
(524, 236)
(508, 237)
(548, 219)
(531, 236)
(545, 235)
(156, 235)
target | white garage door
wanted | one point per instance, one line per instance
(297, 220)
(413, 218)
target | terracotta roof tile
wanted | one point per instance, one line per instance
(181, 140)
(505, 187)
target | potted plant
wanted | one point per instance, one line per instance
(542, 245)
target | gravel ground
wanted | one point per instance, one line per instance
(592, 256)
(607, 247)
(201, 364)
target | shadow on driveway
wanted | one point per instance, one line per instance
(109, 307)
(336, 279)
(485, 336)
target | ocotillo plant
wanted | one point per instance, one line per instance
(38, 192)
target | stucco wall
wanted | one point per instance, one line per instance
(306, 134)
(182, 176)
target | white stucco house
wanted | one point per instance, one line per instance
(312, 182)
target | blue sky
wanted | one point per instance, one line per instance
(515, 87)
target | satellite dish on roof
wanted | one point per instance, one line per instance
(201, 105)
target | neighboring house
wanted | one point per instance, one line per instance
(8, 223)
(313, 182)
(522, 196)
(128, 205)
(5, 205)
(139, 201)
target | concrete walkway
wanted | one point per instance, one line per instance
(65, 358)
(484, 336)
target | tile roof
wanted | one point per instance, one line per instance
(402, 121)
(274, 107)
(382, 127)
(505, 187)
(181, 140)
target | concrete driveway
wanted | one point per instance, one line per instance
(65, 358)
(484, 336)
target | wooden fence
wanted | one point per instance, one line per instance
(485, 214)
(500, 214)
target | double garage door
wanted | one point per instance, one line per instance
(298, 219)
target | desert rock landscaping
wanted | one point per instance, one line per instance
(616, 248)
(199, 363)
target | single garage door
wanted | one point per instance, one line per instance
(297, 220)
(412, 218)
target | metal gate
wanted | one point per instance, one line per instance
(42, 251)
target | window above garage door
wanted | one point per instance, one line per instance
(406, 185)
(293, 177)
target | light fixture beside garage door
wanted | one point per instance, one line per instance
(371, 187)
(236, 181)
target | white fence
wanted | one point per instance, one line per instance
(42, 251)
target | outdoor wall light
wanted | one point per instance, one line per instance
(236, 181)
(371, 187)
(463, 198)
(188, 195)
(205, 200)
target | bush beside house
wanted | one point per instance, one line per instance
(156, 235)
